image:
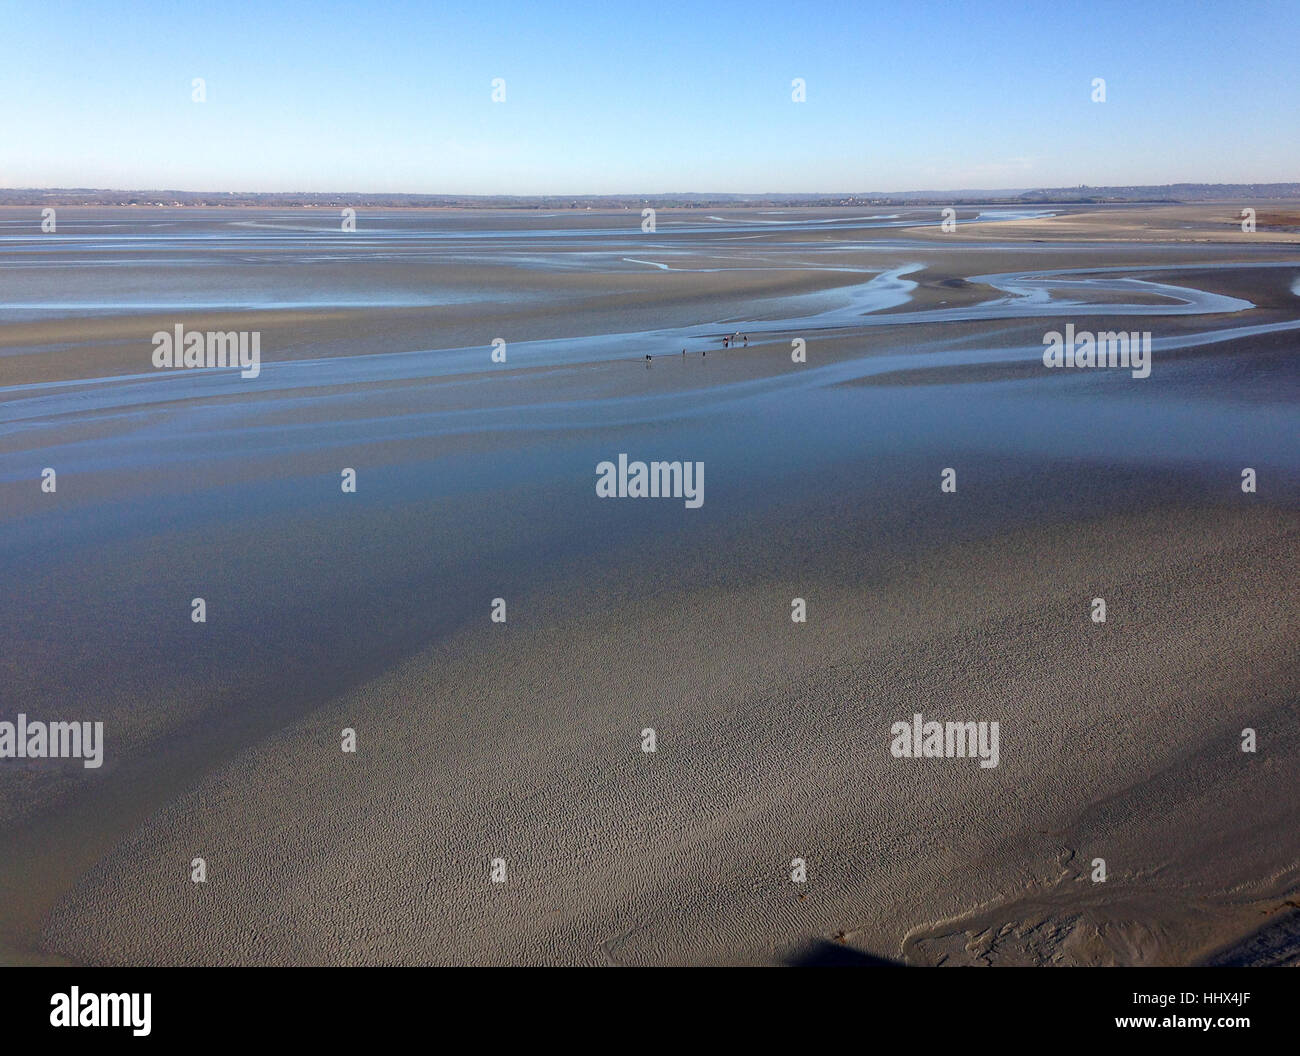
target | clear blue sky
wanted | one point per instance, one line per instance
(607, 96)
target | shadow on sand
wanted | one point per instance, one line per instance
(824, 954)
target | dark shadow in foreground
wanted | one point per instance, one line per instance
(824, 954)
(1276, 944)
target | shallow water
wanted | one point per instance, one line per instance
(163, 438)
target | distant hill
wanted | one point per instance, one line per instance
(1174, 192)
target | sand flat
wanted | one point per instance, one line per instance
(522, 741)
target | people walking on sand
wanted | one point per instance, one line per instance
(648, 359)
(724, 341)
(746, 340)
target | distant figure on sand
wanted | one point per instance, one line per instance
(724, 341)
(648, 359)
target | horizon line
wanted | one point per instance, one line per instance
(1032, 189)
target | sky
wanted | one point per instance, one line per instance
(653, 96)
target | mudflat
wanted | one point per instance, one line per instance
(881, 441)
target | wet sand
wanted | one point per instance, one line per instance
(1219, 222)
(523, 740)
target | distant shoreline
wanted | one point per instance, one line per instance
(1169, 194)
